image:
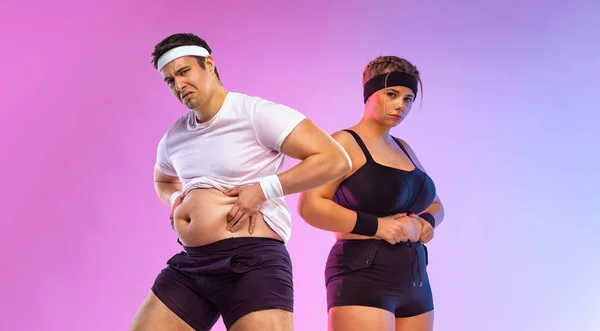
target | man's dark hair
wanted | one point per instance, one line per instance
(181, 39)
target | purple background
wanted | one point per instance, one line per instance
(508, 129)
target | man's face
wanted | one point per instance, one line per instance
(189, 82)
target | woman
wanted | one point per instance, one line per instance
(381, 213)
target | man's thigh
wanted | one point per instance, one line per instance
(260, 284)
(155, 315)
(265, 320)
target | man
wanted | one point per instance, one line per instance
(218, 168)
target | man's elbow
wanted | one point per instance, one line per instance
(341, 162)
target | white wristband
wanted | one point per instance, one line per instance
(174, 196)
(271, 187)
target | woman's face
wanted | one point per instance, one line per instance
(391, 105)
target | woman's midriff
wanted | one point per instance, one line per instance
(412, 226)
(201, 219)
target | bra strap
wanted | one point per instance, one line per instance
(404, 149)
(360, 143)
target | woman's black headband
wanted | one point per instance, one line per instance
(394, 78)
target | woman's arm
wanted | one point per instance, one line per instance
(436, 209)
(318, 210)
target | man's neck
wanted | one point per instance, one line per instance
(212, 106)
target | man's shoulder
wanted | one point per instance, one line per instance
(179, 124)
(243, 99)
(249, 100)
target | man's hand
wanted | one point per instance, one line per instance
(176, 203)
(246, 207)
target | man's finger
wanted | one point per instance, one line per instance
(233, 192)
(252, 224)
(172, 214)
(231, 217)
(177, 202)
(239, 224)
(234, 210)
(232, 225)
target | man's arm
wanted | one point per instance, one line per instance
(165, 185)
(323, 160)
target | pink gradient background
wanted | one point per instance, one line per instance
(508, 129)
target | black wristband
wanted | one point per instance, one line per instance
(366, 224)
(429, 218)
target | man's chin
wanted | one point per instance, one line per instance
(190, 104)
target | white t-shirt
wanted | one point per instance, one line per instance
(239, 145)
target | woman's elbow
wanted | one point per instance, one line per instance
(303, 206)
(306, 209)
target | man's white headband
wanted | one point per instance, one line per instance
(180, 51)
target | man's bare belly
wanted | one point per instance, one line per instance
(412, 226)
(201, 219)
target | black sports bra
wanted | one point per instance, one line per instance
(383, 191)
